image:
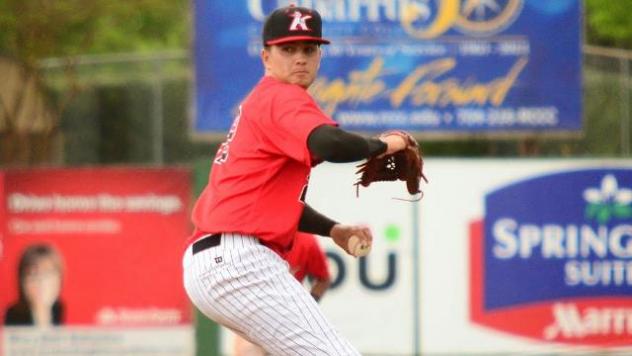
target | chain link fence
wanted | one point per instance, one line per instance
(607, 98)
(128, 109)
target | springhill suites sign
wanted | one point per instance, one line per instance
(552, 258)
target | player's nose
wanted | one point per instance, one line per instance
(300, 59)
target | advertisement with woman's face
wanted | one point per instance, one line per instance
(39, 285)
(91, 261)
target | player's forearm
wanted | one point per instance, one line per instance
(319, 288)
(335, 145)
(314, 222)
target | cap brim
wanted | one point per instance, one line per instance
(297, 38)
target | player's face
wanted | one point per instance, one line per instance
(293, 62)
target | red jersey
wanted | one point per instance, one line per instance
(259, 177)
(306, 258)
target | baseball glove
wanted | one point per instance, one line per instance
(405, 165)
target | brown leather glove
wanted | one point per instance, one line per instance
(405, 165)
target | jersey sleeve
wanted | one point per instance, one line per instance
(317, 261)
(294, 116)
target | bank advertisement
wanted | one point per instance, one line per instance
(91, 261)
(444, 67)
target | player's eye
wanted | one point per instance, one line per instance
(288, 49)
(310, 50)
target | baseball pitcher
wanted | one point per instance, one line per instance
(248, 214)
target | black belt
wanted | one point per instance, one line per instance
(206, 243)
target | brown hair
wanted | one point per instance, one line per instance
(31, 256)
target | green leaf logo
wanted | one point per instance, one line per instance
(392, 233)
(608, 201)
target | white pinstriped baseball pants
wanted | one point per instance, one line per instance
(247, 287)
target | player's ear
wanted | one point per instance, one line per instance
(265, 56)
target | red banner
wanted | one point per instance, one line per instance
(94, 247)
(3, 228)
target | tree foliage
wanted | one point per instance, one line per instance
(32, 30)
(37, 29)
(608, 23)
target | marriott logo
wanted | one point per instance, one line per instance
(571, 322)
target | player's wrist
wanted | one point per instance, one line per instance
(333, 230)
(376, 146)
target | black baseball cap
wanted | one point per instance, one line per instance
(293, 23)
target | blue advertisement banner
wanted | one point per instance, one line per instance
(436, 66)
(560, 236)
(552, 258)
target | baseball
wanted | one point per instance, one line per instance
(357, 247)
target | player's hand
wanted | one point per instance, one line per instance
(394, 143)
(341, 233)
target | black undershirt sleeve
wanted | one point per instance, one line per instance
(335, 145)
(314, 222)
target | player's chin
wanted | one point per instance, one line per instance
(303, 80)
(305, 83)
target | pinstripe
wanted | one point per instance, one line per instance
(312, 308)
(301, 292)
(262, 320)
(291, 283)
(253, 292)
(271, 322)
(316, 316)
(266, 292)
(242, 243)
(307, 301)
(224, 294)
(198, 290)
(242, 314)
(272, 285)
(250, 313)
(238, 314)
(309, 325)
(279, 305)
(230, 314)
(243, 247)
(204, 291)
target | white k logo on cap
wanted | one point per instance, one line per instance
(299, 21)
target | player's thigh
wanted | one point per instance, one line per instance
(289, 321)
(254, 294)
